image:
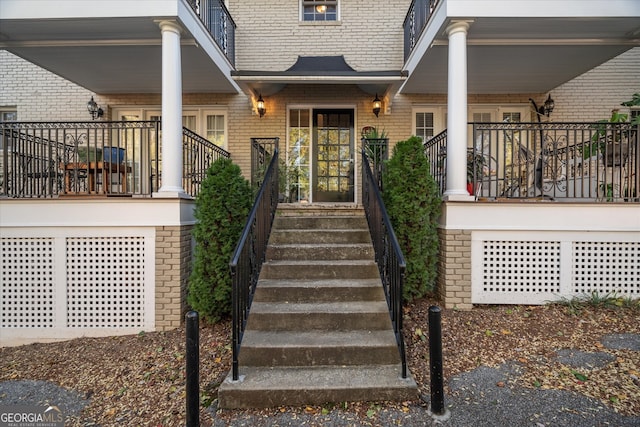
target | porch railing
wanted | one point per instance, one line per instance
(388, 255)
(248, 256)
(557, 161)
(377, 150)
(218, 21)
(262, 150)
(417, 17)
(436, 151)
(45, 160)
(198, 153)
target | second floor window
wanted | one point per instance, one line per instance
(319, 10)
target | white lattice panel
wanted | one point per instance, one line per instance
(520, 267)
(529, 267)
(28, 283)
(606, 268)
(106, 282)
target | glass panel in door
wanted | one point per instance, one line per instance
(333, 141)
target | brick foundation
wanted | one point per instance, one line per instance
(173, 267)
(454, 268)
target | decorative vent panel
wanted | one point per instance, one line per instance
(521, 266)
(28, 282)
(606, 267)
(105, 282)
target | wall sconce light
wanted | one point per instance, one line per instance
(545, 109)
(94, 109)
(260, 106)
(377, 105)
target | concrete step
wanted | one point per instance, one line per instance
(313, 270)
(309, 291)
(324, 251)
(330, 316)
(311, 236)
(319, 348)
(320, 222)
(320, 209)
(262, 387)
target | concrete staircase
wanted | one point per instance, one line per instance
(319, 328)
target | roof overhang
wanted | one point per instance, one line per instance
(522, 46)
(319, 70)
(113, 47)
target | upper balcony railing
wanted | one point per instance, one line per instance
(417, 17)
(217, 19)
(597, 162)
(46, 160)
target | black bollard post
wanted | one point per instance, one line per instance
(193, 368)
(435, 359)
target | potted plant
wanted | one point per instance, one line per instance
(610, 144)
(475, 170)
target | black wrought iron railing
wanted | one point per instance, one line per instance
(249, 254)
(51, 159)
(417, 18)
(377, 150)
(388, 255)
(436, 151)
(198, 153)
(262, 150)
(597, 162)
(218, 21)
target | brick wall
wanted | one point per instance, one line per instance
(38, 94)
(173, 267)
(365, 32)
(595, 93)
(454, 268)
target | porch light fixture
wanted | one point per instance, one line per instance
(260, 106)
(377, 105)
(94, 109)
(545, 109)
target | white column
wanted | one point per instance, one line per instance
(171, 112)
(456, 186)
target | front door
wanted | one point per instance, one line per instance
(333, 168)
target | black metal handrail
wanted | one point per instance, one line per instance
(249, 254)
(48, 159)
(596, 161)
(261, 151)
(377, 150)
(198, 153)
(416, 20)
(51, 159)
(436, 151)
(388, 255)
(218, 21)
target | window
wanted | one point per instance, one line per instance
(7, 115)
(428, 121)
(424, 125)
(319, 10)
(214, 131)
(298, 155)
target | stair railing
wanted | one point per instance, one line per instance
(249, 254)
(388, 255)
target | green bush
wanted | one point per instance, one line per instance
(412, 201)
(222, 207)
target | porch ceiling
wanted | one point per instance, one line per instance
(520, 55)
(111, 55)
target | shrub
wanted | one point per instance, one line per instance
(412, 201)
(222, 207)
